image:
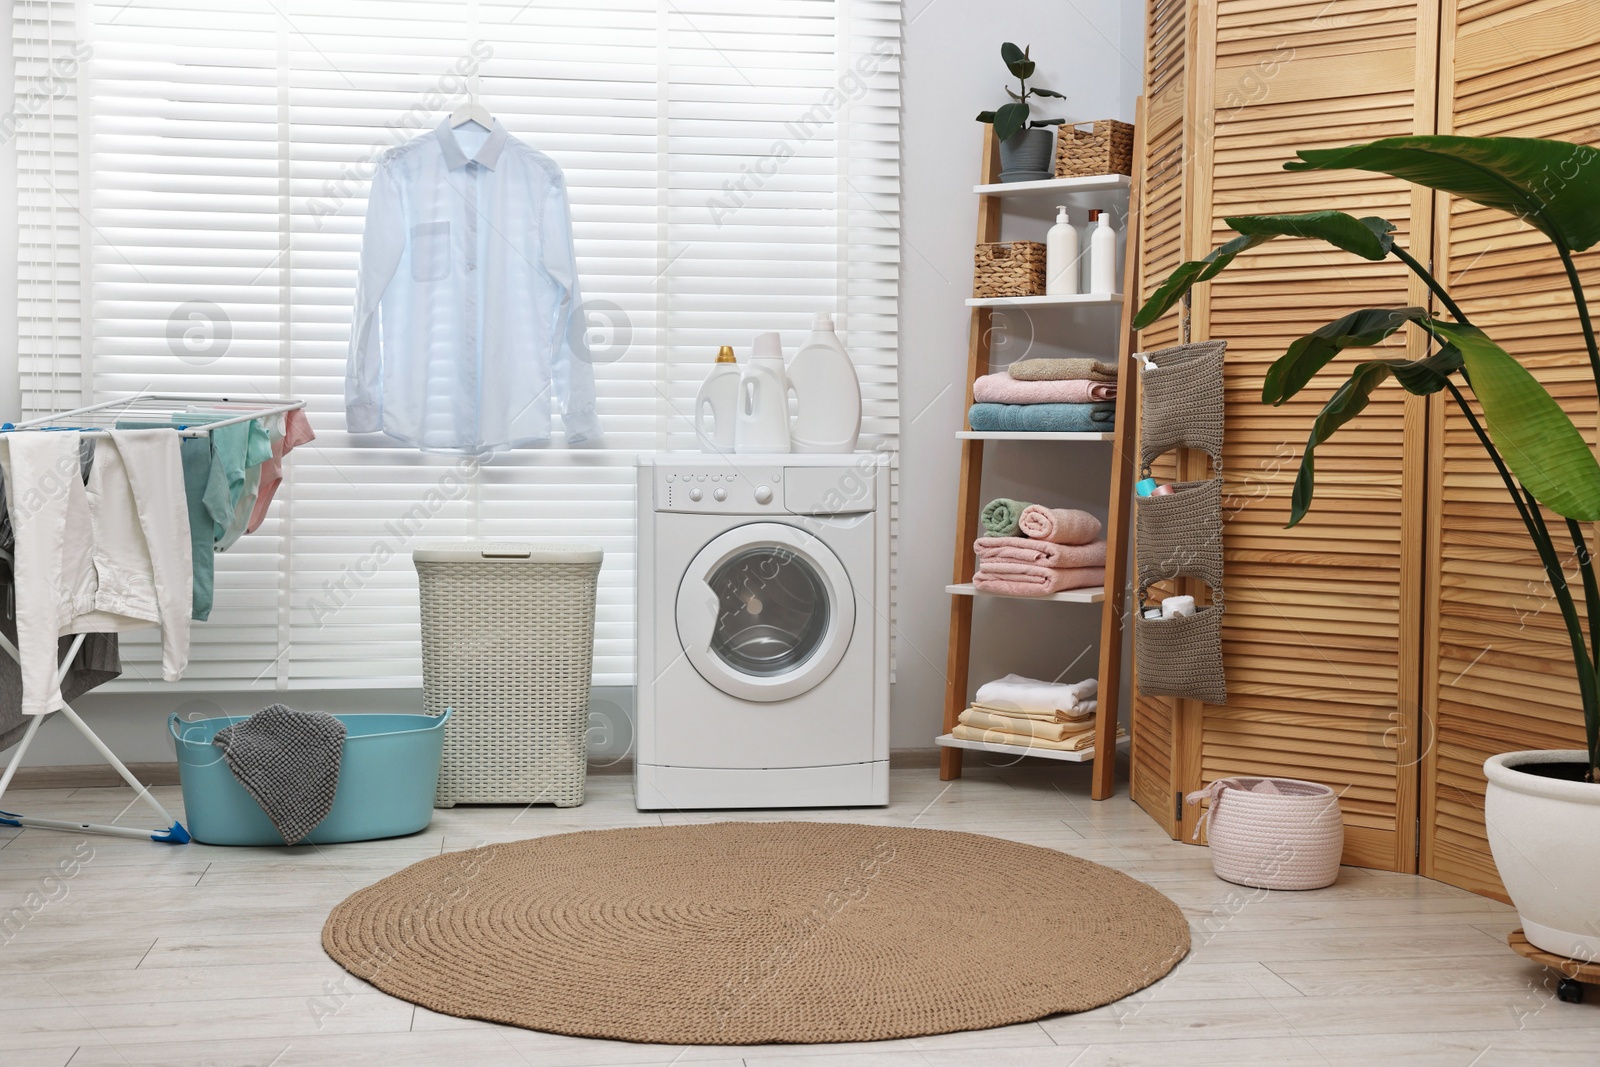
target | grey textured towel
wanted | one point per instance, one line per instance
(289, 762)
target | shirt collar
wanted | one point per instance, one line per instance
(487, 156)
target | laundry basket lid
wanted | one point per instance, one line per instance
(504, 552)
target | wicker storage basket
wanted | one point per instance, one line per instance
(1106, 149)
(1008, 268)
(1288, 839)
(508, 643)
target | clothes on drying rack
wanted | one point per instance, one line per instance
(243, 493)
(98, 661)
(107, 556)
(294, 431)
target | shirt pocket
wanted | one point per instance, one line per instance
(430, 251)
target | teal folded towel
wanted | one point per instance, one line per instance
(1044, 418)
(1000, 515)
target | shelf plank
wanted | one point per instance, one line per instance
(1076, 300)
(1092, 595)
(1089, 183)
(948, 741)
(1023, 435)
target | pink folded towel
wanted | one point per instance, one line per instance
(1004, 389)
(1045, 553)
(1058, 525)
(1031, 580)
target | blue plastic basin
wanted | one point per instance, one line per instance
(387, 780)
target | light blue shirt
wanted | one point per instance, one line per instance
(467, 323)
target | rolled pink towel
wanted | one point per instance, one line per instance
(1004, 389)
(1043, 553)
(1029, 580)
(1060, 526)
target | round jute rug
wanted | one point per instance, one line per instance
(745, 932)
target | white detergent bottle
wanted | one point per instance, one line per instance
(719, 397)
(1061, 257)
(827, 392)
(1103, 257)
(761, 419)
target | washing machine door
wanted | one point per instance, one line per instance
(765, 612)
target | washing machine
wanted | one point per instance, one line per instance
(763, 631)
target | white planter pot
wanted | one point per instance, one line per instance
(1545, 836)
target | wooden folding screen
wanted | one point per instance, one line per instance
(1499, 668)
(1321, 642)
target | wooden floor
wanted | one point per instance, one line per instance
(185, 956)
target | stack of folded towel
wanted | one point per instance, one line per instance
(1025, 711)
(1029, 550)
(1047, 396)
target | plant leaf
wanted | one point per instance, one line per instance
(1309, 354)
(1550, 184)
(1368, 238)
(1013, 94)
(1050, 93)
(1012, 54)
(986, 116)
(1008, 119)
(1182, 279)
(1422, 376)
(1533, 435)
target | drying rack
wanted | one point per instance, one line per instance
(96, 420)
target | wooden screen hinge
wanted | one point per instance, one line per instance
(1177, 807)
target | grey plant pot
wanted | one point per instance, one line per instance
(1027, 155)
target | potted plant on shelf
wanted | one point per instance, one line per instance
(1027, 147)
(1543, 806)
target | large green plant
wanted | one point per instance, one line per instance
(1541, 457)
(1009, 118)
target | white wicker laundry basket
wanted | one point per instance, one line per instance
(508, 643)
(1288, 838)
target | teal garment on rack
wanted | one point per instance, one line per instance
(205, 488)
(257, 450)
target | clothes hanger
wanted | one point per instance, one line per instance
(471, 111)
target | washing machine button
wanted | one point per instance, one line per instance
(763, 494)
(696, 493)
(720, 494)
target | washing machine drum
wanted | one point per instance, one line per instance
(765, 612)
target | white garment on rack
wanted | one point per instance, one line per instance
(107, 557)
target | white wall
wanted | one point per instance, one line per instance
(1089, 49)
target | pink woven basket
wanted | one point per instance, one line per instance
(1289, 836)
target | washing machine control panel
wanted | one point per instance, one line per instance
(743, 491)
(757, 488)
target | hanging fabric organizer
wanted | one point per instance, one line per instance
(189, 416)
(1179, 534)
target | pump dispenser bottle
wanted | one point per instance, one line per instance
(1061, 257)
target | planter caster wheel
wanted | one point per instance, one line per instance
(1569, 991)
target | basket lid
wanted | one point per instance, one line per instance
(504, 552)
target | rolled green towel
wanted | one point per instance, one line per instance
(1000, 517)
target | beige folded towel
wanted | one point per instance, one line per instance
(1056, 370)
(1082, 713)
(1075, 743)
(1048, 731)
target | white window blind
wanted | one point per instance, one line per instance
(191, 211)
